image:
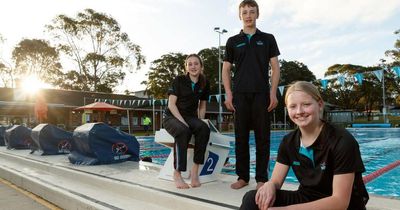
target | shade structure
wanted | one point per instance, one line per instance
(100, 106)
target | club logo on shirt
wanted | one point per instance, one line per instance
(260, 43)
(323, 166)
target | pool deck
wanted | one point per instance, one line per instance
(127, 185)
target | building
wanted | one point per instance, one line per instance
(18, 107)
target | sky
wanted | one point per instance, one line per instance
(318, 33)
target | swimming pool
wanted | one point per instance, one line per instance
(380, 151)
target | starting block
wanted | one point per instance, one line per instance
(216, 153)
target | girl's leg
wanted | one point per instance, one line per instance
(179, 182)
(194, 176)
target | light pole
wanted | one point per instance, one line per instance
(219, 31)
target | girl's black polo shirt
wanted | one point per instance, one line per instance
(334, 152)
(251, 57)
(188, 94)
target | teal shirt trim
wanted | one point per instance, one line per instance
(249, 36)
(193, 84)
(308, 152)
(240, 45)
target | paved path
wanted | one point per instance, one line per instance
(14, 198)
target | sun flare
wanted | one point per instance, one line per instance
(31, 84)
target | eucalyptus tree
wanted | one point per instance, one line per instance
(291, 71)
(101, 52)
(5, 69)
(211, 68)
(162, 72)
(394, 80)
(365, 95)
(395, 53)
(166, 68)
(35, 57)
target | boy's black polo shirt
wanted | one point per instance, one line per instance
(251, 59)
(335, 152)
(188, 98)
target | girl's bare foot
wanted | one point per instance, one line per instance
(194, 176)
(239, 184)
(179, 182)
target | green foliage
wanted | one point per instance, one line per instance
(210, 62)
(102, 53)
(395, 53)
(5, 70)
(292, 71)
(36, 57)
(166, 68)
(361, 97)
(162, 72)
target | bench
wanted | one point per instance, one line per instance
(216, 153)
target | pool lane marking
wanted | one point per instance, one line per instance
(380, 171)
(34, 197)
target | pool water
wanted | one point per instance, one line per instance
(379, 148)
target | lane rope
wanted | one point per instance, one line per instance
(380, 171)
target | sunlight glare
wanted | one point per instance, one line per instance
(31, 84)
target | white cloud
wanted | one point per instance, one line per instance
(328, 12)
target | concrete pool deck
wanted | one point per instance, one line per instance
(128, 185)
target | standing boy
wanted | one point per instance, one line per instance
(251, 51)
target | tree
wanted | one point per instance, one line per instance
(352, 95)
(395, 53)
(210, 62)
(162, 72)
(6, 69)
(101, 52)
(36, 57)
(291, 71)
(165, 69)
(393, 81)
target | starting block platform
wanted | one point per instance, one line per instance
(215, 156)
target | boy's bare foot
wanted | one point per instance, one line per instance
(179, 182)
(259, 184)
(239, 184)
(194, 176)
